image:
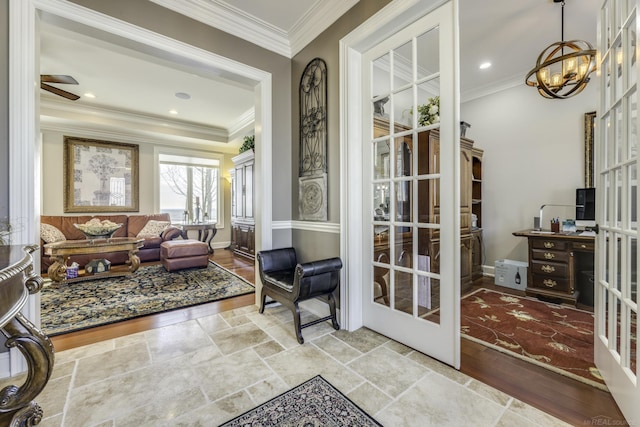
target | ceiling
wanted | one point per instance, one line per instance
(125, 78)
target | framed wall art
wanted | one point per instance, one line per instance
(589, 134)
(100, 176)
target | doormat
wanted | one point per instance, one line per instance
(68, 307)
(556, 337)
(313, 403)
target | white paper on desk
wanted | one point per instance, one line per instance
(424, 283)
(588, 233)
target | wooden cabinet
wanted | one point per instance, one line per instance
(391, 166)
(555, 261)
(242, 205)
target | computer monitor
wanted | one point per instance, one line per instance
(585, 207)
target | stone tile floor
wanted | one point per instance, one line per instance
(206, 371)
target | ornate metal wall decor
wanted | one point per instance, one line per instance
(313, 119)
(313, 197)
(313, 142)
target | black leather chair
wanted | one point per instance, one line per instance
(288, 282)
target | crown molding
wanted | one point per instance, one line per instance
(105, 115)
(225, 17)
(315, 21)
(490, 89)
(230, 20)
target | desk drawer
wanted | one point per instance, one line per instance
(549, 244)
(554, 269)
(550, 283)
(583, 246)
(550, 256)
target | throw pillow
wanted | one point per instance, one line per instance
(153, 228)
(51, 234)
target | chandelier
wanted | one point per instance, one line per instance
(563, 68)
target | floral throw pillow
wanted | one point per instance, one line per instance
(51, 234)
(153, 228)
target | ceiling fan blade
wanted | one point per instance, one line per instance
(58, 78)
(60, 92)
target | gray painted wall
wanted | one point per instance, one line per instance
(310, 244)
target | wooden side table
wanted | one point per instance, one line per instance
(17, 280)
(206, 231)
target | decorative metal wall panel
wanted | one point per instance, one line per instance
(313, 197)
(313, 119)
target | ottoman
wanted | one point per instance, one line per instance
(181, 254)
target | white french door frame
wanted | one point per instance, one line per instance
(395, 16)
(616, 304)
(24, 132)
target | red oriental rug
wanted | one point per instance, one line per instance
(556, 337)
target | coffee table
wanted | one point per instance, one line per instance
(60, 252)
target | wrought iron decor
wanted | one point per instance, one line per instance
(313, 142)
(313, 119)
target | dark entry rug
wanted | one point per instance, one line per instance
(556, 337)
(67, 307)
(312, 403)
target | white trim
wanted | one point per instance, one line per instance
(320, 227)
(54, 110)
(317, 19)
(133, 136)
(388, 21)
(225, 17)
(230, 20)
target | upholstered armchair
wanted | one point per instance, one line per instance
(288, 282)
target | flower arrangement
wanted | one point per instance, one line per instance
(248, 144)
(94, 227)
(429, 113)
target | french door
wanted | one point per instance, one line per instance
(616, 302)
(410, 176)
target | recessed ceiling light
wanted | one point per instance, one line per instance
(485, 65)
(183, 95)
(173, 111)
(89, 95)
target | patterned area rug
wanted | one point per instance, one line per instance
(67, 307)
(556, 337)
(312, 403)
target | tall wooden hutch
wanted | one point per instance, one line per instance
(427, 149)
(243, 223)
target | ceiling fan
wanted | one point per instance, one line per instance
(58, 78)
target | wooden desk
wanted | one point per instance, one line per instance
(555, 261)
(17, 280)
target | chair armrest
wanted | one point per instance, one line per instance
(170, 233)
(319, 267)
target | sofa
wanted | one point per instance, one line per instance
(132, 226)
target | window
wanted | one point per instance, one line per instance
(189, 187)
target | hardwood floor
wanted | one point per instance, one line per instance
(572, 401)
